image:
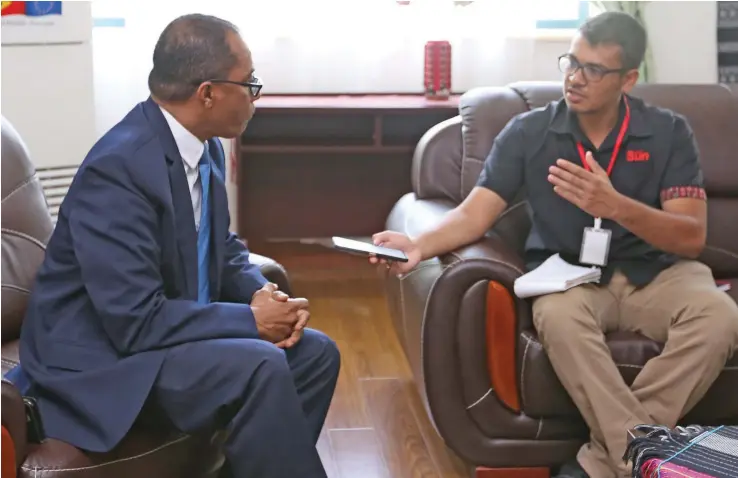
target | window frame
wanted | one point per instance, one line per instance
(566, 24)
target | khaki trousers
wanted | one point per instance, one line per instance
(682, 308)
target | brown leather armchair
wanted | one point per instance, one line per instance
(484, 377)
(153, 448)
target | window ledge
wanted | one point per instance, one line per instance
(554, 34)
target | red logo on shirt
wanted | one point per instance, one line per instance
(637, 156)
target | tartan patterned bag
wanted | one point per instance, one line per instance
(684, 452)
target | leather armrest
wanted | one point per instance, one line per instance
(273, 271)
(436, 171)
(14, 419)
(505, 265)
(492, 248)
(414, 216)
(460, 323)
(469, 342)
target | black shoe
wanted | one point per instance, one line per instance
(572, 470)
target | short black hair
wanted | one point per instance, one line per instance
(618, 28)
(191, 49)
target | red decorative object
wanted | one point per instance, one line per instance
(694, 192)
(437, 83)
(13, 8)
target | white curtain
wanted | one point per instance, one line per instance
(325, 46)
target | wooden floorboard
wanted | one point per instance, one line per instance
(357, 453)
(377, 426)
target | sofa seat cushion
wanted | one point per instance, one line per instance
(145, 451)
(544, 396)
(10, 355)
(152, 448)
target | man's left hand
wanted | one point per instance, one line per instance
(303, 316)
(590, 190)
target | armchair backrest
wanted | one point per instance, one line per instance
(450, 156)
(26, 227)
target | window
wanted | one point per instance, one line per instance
(561, 14)
(550, 14)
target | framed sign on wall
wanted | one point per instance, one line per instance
(42, 23)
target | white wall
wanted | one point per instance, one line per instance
(47, 93)
(683, 41)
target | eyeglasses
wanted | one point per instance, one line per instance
(569, 65)
(254, 85)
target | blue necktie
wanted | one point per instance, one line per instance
(203, 234)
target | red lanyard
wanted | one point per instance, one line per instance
(618, 142)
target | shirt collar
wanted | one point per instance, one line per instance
(564, 121)
(190, 147)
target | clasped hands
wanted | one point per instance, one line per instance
(590, 190)
(279, 319)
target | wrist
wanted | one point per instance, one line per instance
(419, 246)
(621, 208)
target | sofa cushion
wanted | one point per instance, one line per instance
(544, 396)
(484, 113)
(144, 452)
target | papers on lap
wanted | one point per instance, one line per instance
(554, 275)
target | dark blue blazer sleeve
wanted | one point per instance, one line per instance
(114, 229)
(240, 279)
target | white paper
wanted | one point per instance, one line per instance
(554, 275)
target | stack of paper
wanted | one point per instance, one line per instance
(554, 275)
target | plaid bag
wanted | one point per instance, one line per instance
(684, 452)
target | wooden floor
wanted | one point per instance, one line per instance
(377, 426)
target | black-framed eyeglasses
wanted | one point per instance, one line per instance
(254, 85)
(569, 65)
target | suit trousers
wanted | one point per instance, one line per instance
(272, 402)
(681, 307)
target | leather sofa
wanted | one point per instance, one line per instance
(153, 448)
(482, 373)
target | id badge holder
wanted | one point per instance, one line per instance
(595, 245)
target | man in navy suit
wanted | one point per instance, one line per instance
(145, 295)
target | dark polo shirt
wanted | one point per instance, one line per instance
(658, 159)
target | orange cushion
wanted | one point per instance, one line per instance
(8, 450)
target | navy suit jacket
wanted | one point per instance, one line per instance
(118, 285)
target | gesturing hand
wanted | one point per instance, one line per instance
(590, 190)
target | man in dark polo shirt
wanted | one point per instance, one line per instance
(604, 160)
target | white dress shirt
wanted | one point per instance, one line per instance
(191, 149)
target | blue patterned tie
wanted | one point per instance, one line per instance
(203, 234)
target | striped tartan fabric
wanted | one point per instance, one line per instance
(684, 452)
(727, 38)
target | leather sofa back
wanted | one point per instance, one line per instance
(450, 156)
(26, 227)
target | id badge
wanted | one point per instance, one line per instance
(595, 246)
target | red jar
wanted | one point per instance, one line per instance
(437, 83)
